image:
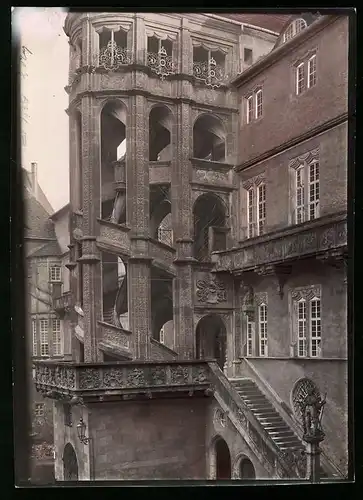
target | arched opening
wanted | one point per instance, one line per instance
(166, 334)
(78, 177)
(246, 469)
(211, 339)
(209, 139)
(161, 302)
(209, 213)
(70, 464)
(114, 290)
(113, 162)
(223, 459)
(160, 124)
(160, 214)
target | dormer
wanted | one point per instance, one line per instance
(294, 26)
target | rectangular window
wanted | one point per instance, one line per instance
(258, 104)
(314, 190)
(312, 71)
(56, 337)
(162, 336)
(300, 78)
(262, 316)
(247, 55)
(250, 335)
(44, 341)
(315, 326)
(34, 337)
(39, 409)
(249, 109)
(300, 196)
(251, 212)
(55, 273)
(261, 214)
(301, 327)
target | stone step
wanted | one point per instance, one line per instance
(281, 433)
(268, 414)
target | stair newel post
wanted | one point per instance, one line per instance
(312, 407)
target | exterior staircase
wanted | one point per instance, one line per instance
(269, 418)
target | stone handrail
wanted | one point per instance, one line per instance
(248, 369)
(247, 424)
(160, 351)
(62, 380)
(310, 238)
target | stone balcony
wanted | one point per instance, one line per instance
(128, 380)
(324, 236)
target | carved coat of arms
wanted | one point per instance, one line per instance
(211, 291)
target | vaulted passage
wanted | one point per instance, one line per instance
(209, 213)
(160, 214)
(114, 288)
(209, 139)
(211, 339)
(160, 125)
(70, 464)
(113, 162)
(223, 460)
(161, 302)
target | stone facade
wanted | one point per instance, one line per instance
(230, 285)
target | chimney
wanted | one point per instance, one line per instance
(34, 177)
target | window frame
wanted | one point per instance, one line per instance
(253, 216)
(57, 338)
(309, 341)
(37, 407)
(262, 335)
(308, 188)
(249, 109)
(300, 66)
(44, 334)
(310, 72)
(34, 337)
(258, 106)
(55, 279)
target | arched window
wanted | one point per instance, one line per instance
(209, 139)
(294, 29)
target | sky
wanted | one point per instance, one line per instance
(46, 74)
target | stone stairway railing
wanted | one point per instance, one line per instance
(249, 370)
(265, 449)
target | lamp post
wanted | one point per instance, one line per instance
(81, 431)
(312, 406)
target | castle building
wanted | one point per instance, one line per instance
(208, 242)
(46, 238)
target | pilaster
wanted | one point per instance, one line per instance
(182, 214)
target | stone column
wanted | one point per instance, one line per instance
(90, 259)
(313, 461)
(139, 40)
(182, 214)
(138, 218)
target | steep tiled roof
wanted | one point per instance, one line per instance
(37, 222)
(49, 249)
(41, 196)
(272, 22)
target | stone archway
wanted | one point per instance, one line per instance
(223, 459)
(211, 339)
(246, 469)
(70, 463)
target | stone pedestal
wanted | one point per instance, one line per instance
(313, 452)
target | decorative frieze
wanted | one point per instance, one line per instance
(306, 293)
(254, 181)
(305, 158)
(58, 380)
(211, 291)
(288, 244)
(114, 236)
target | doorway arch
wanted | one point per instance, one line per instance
(223, 459)
(246, 469)
(70, 463)
(211, 339)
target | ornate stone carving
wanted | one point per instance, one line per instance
(261, 298)
(219, 418)
(327, 239)
(199, 375)
(305, 158)
(210, 73)
(309, 406)
(161, 64)
(211, 291)
(158, 376)
(112, 377)
(306, 293)
(89, 378)
(295, 460)
(254, 181)
(135, 377)
(179, 375)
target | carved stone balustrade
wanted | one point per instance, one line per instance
(162, 255)
(312, 238)
(115, 340)
(113, 237)
(89, 381)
